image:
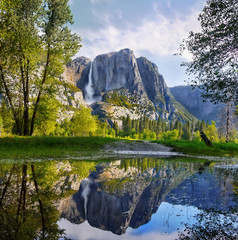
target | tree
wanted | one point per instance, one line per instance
(83, 122)
(214, 51)
(7, 119)
(35, 43)
(0, 125)
(171, 135)
(127, 126)
(46, 118)
(212, 132)
(187, 134)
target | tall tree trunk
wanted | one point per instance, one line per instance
(40, 91)
(227, 121)
(15, 115)
(25, 87)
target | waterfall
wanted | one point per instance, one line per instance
(86, 189)
(89, 88)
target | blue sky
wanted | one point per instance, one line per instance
(151, 28)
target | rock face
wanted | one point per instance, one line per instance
(193, 102)
(77, 69)
(131, 86)
(116, 70)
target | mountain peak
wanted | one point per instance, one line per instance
(133, 86)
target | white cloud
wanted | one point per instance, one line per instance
(97, 1)
(160, 36)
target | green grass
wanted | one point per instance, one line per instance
(49, 147)
(199, 148)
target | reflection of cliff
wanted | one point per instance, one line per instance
(116, 203)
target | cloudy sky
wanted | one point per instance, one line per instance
(151, 28)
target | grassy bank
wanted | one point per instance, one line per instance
(49, 147)
(199, 148)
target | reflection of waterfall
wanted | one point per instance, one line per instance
(89, 88)
(86, 189)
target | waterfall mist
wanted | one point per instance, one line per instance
(89, 87)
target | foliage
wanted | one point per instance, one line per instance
(7, 119)
(118, 100)
(35, 44)
(211, 132)
(33, 189)
(47, 115)
(171, 135)
(214, 51)
(197, 136)
(83, 123)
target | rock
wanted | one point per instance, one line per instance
(116, 70)
(76, 72)
(124, 85)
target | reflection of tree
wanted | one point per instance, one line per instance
(29, 194)
(212, 225)
(19, 214)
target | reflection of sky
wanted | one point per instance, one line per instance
(163, 225)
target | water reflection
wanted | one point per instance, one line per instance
(131, 197)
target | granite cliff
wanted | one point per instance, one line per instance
(119, 84)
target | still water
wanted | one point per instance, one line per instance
(130, 199)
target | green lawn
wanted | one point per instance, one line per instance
(199, 148)
(49, 147)
(62, 147)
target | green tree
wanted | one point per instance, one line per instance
(127, 126)
(115, 127)
(212, 132)
(187, 134)
(47, 115)
(133, 133)
(171, 135)
(83, 122)
(0, 125)
(202, 125)
(214, 50)
(35, 43)
(197, 136)
(7, 119)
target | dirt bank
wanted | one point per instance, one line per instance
(137, 146)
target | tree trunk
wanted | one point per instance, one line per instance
(205, 139)
(227, 122)
(15, 115)
(25, 88)
(40, 92)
